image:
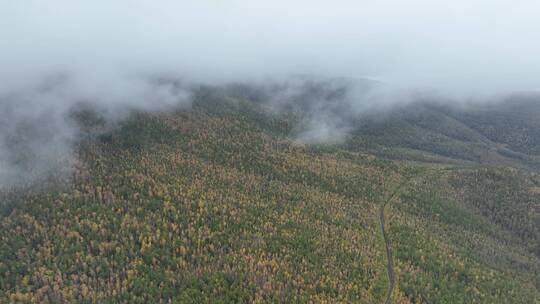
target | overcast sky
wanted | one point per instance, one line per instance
(459, 45)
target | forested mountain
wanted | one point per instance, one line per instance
(225, 202)
(504, 133)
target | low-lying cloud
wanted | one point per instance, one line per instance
(38, 127)
(58, 54)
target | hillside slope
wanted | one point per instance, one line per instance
(505, 133)
(218, 204)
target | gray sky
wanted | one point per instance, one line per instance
(458, 46)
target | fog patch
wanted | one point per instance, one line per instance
(39, 128)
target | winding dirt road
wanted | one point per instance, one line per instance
(389, 257)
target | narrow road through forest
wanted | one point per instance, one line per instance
(389, 257)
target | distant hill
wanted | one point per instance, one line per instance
(496, 134)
